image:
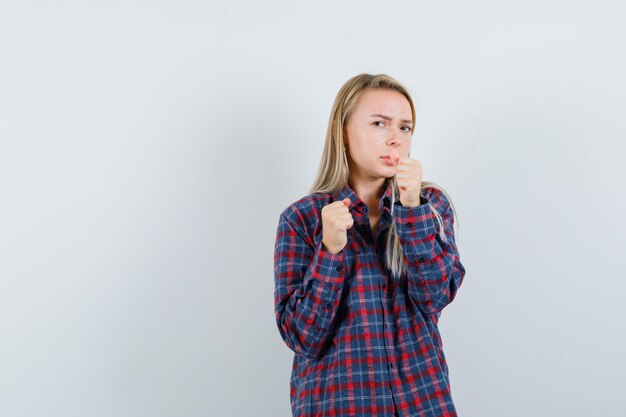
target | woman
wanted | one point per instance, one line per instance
(364, 265)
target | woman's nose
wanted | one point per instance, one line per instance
(394, 141)
(393, 138)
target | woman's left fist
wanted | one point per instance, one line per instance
(409, 178)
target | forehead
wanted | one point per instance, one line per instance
(384, 101)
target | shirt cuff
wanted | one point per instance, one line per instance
(417, 226)
(327, 276)
(326, 266)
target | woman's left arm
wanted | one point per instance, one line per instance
(434, 269)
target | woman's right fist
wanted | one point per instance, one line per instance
(336, 220)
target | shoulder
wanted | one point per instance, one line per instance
(305, 214)
(306, 208)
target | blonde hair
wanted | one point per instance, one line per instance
(334, 172)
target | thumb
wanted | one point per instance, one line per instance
(346, 201)
(394, 155)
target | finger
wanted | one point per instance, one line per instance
(343, 221)
(403, 167)
(338, 207)
(339, 203)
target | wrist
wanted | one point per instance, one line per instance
(333, 251)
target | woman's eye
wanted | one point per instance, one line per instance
(406, 128)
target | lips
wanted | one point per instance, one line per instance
(387, 160)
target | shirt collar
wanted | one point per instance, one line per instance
(355, 201)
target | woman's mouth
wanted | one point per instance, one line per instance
(387, 160)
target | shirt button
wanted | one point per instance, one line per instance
(329, 305)
(384, 285)
(385, 325)
(339, 268)
(365, 210)
(409, 224)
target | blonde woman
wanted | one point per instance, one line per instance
(364, 265)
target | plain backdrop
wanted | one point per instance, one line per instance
(147, 149)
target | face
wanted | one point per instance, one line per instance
(379, 127)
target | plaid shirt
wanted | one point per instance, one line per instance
(366, 344)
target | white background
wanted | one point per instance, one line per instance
(148, 147)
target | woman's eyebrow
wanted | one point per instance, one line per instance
(389, 118)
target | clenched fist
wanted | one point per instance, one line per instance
(409, 178)
(336, 220)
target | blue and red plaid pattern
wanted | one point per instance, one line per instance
(364, 343)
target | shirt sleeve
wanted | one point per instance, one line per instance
(308, 283)
(434, 268)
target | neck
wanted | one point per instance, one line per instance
(370, 191)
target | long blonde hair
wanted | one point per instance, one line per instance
(334, 172)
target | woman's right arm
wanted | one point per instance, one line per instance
(308, 282)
